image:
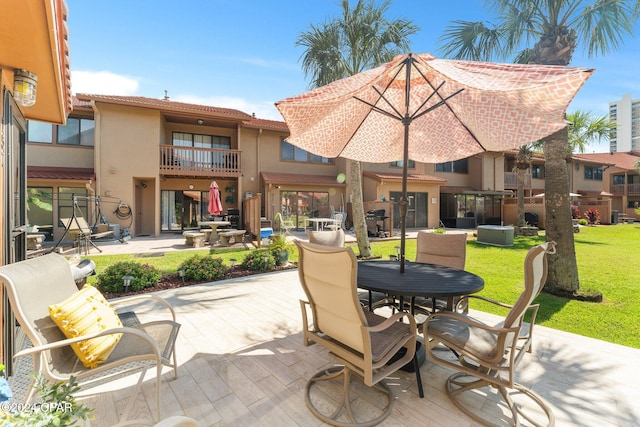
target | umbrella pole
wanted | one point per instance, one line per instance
(406, 121)
(403, 199)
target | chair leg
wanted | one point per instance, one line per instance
(343, 415)
(460, 382)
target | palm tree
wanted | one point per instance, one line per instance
(585, 128)
(361, 39)
(548, 32)
(523, 162)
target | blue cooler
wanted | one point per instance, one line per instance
(265, 233)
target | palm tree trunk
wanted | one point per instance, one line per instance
(520, 194)
(563, 269)
(357, 210)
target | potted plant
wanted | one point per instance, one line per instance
(57, 407)
(279, 249)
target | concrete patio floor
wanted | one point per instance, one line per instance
(242, 363)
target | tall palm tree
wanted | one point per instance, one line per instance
(523, 162)
(361, 39)
(548, 32)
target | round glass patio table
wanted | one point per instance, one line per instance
(418, 280)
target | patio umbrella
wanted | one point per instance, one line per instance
(431, 110)
(215, 205)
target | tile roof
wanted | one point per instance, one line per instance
(412, 177)
(294, 178)
(626, 160)
(50, 172)
(266, 124)
(165, 105)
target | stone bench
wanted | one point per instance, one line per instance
(228, 237)
(193, 238)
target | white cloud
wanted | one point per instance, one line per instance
(103, 82)
(262, 109)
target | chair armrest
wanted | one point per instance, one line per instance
(393, 319)
(143, 297)
(66, 342)
(468, 321)
(483, 298)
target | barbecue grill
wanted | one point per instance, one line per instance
(375, 222)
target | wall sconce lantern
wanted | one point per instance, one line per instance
(24, 87)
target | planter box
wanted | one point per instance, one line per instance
(497, 235)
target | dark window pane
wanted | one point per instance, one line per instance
(287, 150)
(460, 166)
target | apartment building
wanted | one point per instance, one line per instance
(626, 114)
(145, 165)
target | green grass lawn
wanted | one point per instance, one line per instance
(608, 259)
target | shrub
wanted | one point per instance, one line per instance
(593, 216)
(261, 259)
(144, 276)
(202, 267)
(582, 221)
(575, 212)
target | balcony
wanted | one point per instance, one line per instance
(205, 162)
(619, 189)
(511, 180)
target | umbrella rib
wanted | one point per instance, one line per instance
(378, 109)
(439, 104)
(415, 115)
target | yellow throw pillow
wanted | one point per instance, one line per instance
(87, 312)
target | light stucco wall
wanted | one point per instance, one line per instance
(127, 153)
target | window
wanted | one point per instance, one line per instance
(537, 171)
(76, 132)
(39, 132)
(618, 179)
(410, 164)
(458, 166)
(292, 153)
(592, 173)
(184, 139)
(66, 202)
(40, 208)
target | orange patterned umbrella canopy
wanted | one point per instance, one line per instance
(431, 110)
(455, 109)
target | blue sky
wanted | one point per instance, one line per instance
(242, 54)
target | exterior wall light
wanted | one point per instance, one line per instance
(24, 87)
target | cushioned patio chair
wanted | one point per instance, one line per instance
(489, 355)
(361, 341)
(449, 250)
(327, 237)
(42, 287)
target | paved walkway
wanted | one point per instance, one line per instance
(242, 362)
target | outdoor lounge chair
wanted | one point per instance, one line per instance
(489, 355)
(362, 342)
(36, 284)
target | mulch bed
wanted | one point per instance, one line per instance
(172, 281)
